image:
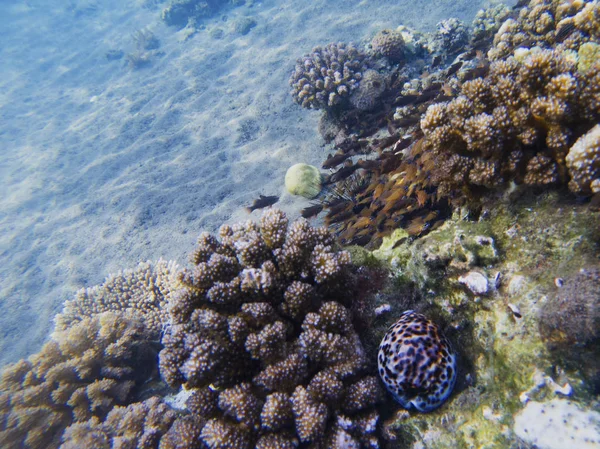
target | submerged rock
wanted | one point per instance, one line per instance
(558, 424)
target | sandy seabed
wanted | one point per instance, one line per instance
(102, 166)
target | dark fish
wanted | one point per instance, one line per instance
(403, 100)
(426, 96)
(262, 201)
(399, 242)
(312, 211)
(341, 174)
(408, 121)
(477, 72)
(368, 165)
(454, 68)
(334, 160)
(437, 60)
(565, 31)
(401, 144)
(433, 87)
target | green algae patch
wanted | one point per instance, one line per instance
(521, 246)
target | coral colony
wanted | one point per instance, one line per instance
(268, 339)
(507, 108)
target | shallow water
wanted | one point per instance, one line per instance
(103, 165)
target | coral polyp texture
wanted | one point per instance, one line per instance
(143, 291)
(80, 374)
(416, 363)
(139, 425)
(517, 123)
(327, 76)
(389, 43)
(548, 24)
(583, 162)
(264, 320)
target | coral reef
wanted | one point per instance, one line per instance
(475, 126)
(548, 24)
(450, 37)
(80, 374)
(488, 21)
(143, 291)
(583, 162)
(139, 425)
(486, 136)
(265, 320)
(326, 77)
(520, 244)
(389, 43)
(416, 363)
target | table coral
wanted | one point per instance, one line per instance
(326, 77)
(264, 318)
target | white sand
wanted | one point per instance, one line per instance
(102, 166)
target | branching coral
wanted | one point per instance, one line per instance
(327, 76)
(516, 123)
(143, 291)
(263, 317)
(139, 425)
(80, 374)
(583, 162)
(548, 24)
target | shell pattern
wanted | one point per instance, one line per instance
(416, 363)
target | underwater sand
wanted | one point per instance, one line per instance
(103, 166)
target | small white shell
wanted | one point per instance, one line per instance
(476, 282)
(559, 282)
(497, 280)
(515, 310)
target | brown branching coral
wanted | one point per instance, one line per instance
(144, 291)
(583, 162)
(501, 133)
(139, 425)
(548, 24)
(327, 76)
(264, 319)
(80, 374)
